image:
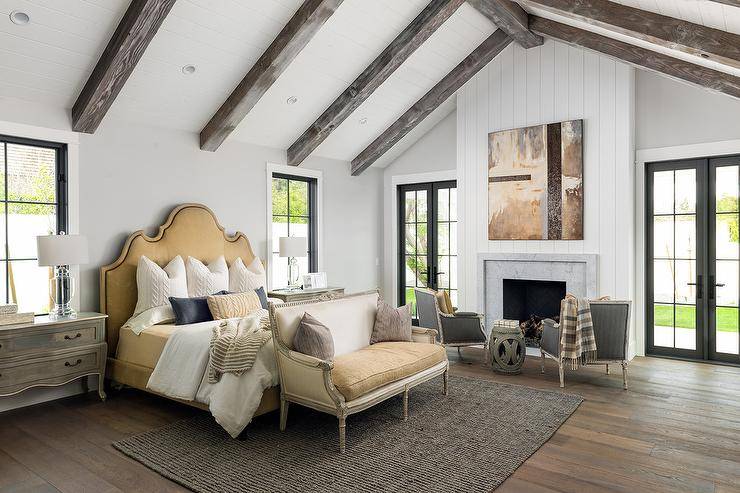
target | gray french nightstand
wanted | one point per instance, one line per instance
(50, 353)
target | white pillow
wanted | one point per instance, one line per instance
(155, 285)
(148, 318)
(204, 280)
(243, 279)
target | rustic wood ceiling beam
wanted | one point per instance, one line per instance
(418, 31)
(734, 3)
(713, 44)
(510, 17)
(640, 57)
(296, 34)
(124, 50)
(445, 88)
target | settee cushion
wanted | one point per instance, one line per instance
(362, 371)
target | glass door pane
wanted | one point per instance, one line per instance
(674, 261)
(723, 283)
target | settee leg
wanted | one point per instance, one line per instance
(624, 375)
(607, 368)
(444, 381)
(561, 371)
(542, 361)
(283, 413)
(406, 404)
(342, 426)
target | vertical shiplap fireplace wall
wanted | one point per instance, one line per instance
(578, 271)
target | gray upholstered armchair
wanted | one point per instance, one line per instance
(611, 322)
(455, 330)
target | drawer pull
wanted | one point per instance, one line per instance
(69, 337)
(67, 363)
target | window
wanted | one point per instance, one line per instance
(293, 214)
(427, 248)
(32, 203)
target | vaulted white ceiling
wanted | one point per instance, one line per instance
(48, 61)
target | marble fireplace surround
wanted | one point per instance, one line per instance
(578, 271)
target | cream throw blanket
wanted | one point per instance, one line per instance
(577, 332)
(235, 344)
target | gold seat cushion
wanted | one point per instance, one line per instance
(359, 372)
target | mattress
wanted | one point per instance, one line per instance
(146, 348)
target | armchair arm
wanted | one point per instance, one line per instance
(421, 334)
(307, 378)
(466, 314)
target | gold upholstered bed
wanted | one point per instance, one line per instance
(190, 230)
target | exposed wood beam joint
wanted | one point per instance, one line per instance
(418, 31)
(296, 34)
(510, 17)
(639, 57)
(124, 50)
(694, 39)
(445, 88)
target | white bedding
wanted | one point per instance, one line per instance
(182, 373)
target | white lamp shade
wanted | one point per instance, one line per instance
(293, 246)
(62, 250)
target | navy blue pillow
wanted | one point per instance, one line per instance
(262, 296)
(192, 310)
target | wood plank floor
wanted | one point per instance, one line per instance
(676, 430)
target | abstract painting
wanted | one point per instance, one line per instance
(535, 182)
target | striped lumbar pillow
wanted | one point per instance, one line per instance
(233, 305)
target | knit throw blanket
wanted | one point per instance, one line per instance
(235, 344)
(577, 332)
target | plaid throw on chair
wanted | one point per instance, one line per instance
(577, 332)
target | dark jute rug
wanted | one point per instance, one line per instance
(468, 441)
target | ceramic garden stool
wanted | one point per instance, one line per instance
(507, 347)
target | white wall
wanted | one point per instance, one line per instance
(132, 176)
(434, 153)
(551, 83)
(672, 113)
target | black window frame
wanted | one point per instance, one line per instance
(62, 197)
(313, 183)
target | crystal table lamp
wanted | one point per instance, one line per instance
(60, 251)
(292, 247)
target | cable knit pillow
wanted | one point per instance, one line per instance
(155, 285)
(243, 279)
(204, 280)
(391, 324)
(233, 305)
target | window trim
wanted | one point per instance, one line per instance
(316, 202)
(62, 191)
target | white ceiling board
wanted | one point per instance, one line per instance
(444, 49)
(565, 19)
(49, 59)
(349, 41)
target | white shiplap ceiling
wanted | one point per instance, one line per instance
(49, 60)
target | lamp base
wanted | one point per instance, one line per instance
(62, 290)
(62, 312)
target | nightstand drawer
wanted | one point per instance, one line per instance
(53, 368)
(54, 337)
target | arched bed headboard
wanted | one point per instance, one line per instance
(190, 230)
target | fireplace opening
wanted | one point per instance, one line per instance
(531, 301)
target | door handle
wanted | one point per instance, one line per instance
(698, 284)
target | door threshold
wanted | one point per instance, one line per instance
(694, 360)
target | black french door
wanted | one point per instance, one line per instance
(693, 258)
(427, 239)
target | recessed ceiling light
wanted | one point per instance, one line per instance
(188, 69)
(292, 100)
(20, 18)
(363, 120)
